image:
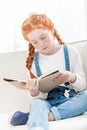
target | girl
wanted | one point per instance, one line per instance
(47, 53)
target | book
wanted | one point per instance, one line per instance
(13, 80)
(46, 83)
(16, 82)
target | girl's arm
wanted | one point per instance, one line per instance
(77, 69)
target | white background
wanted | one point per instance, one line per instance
(69, 17)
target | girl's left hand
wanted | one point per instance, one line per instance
(66, 76)
(33, 86)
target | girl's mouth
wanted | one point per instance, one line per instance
(44, 48)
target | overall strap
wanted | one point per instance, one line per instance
(67, 63)
(38, 70)
(66, 55)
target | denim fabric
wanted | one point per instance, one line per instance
(38, 70)
(39, 109)
(74, 106)
(56, 96)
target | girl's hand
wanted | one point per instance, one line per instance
(33, 86)
(66, 76)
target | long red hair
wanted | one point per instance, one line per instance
(31, 23)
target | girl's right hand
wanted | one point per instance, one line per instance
(33, 86)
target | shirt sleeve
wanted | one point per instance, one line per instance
(77, 69)
(41, 95)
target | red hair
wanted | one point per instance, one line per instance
(33, 22)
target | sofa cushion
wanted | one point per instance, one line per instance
(76, 123)
(82, 47)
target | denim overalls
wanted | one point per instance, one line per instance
(56, 102)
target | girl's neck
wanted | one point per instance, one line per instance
(55, 49)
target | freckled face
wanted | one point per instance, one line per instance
(42, 40)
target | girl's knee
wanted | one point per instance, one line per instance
(38, 103)
(83, 96)
(83, 93)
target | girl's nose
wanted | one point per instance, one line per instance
(41, 44)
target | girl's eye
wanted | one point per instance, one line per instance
(34, 42)
(43, 37)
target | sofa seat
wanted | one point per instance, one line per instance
(76, 123)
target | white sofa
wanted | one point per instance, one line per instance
(12, 65)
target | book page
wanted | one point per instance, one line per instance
(46, 84)
(16, 82)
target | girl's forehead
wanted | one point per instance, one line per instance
(37, 32)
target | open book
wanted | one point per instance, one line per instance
(46, 83)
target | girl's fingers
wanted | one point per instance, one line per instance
(33, 83)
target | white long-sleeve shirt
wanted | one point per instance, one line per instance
(57, 62)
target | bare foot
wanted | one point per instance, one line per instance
(51, 117)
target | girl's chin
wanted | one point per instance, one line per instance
(45, 51)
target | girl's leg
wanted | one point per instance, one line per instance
(74, 106)
(38, 117)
